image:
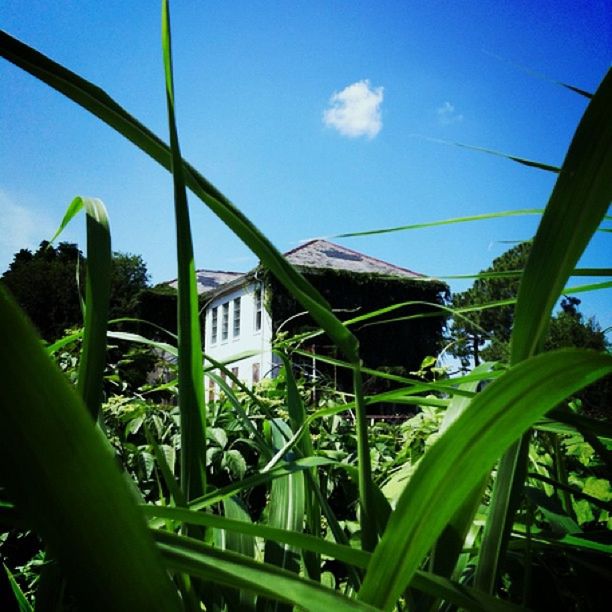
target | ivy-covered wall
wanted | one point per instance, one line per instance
(400, 345)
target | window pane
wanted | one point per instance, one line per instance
(257, 309)
(236, 331)
(213, 326)
(225, 321)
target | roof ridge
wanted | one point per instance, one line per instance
(353, 251)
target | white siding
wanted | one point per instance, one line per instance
(248, 339)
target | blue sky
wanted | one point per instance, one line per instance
(309, 116)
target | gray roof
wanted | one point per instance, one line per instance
(315, 254)
(322, 255)
(209, 280)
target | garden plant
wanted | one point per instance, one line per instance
(266, 501)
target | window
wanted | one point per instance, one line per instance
(255, 373)
(236, 330)
(213, 326)
(224, 321)
(258, 309)
(235, 372)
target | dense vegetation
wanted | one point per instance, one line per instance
(495, 496)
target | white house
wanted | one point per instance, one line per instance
(236, 320)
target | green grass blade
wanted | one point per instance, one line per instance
(99, 103)
(297, 418)
(190, 364)
(49, 450)
(258, 479)
(97, 296)
(519, 160)
(347, 554)
(285, 508)
(198, 559)
(464, 454)
(482, 217)
(241, 543)
(449, 546)
(577, 205)
(20, 598)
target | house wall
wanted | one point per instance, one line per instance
(248, 338)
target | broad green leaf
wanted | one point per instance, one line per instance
(49, 449)
(464, 454)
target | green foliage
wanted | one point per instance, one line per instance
(46, 285)
(264, 466)
(472, 330)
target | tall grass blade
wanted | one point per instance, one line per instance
(519, 160)
(224, 567)
(286, 506)
(49, 450)
(190, 363)
(463, 455)
(297, 418)
(471, 218)
(577, 205)
(20, 598)
(97, 296)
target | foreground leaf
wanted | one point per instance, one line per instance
(464, 454)
(65, 482)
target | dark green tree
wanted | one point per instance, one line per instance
(45, 285)
(471, 331)
(485, 334)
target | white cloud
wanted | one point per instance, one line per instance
(355, 111)
(22, 228)
(447, 114)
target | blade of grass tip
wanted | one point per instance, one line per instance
(481, 217)
(99, 103)
(540, 75)
(463, 455)
(190, 364)
(49, 450)
(97, 296)
(519, 160)
(577, 205)
(20, 598)
(579, 200)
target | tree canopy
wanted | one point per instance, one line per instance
(46, 285)
(485, 334)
